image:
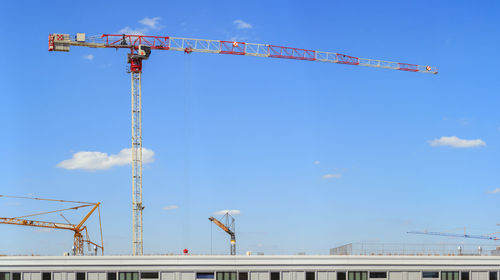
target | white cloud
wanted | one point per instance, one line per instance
(170, 207)
(241, 24)
(129, 31)
(456, 142)
(231, 212)
(148, 23)
(89, 57)
(153, 23)
(497, 190)
(316, 162)
(92, 161)
(330, 176)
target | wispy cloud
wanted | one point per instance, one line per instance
(497, 190)
(170, 207)
(147, 24)
(153, 22)
(456, 142)
(231, 212)
(240, 24)
(91, 161)
(331, 176)
(316, 162)
(89, 57)
(130, 31)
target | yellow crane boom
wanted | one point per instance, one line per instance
(78, 239)
(227, 230)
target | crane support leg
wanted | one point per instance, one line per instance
(137, 248)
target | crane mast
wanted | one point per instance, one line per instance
(140, 47)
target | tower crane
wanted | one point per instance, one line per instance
(140, 46)
(229, 228)
(487, 237)
(79, 240)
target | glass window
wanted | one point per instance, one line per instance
(149, 275)
(430, 274)
(493, 275)
(205, 275)
(449, 275)
(226, 275)
(378, 274)
(464, 275)
(111, 275)
(243, 276)
(358, 275)
(310, 275)
(46, 276)
(80, 276)
(16, 276)
(4, 275)
(275, 276)
(340, 275)
(127, 276)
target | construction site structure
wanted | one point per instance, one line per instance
(140, 47)
(486, 237)
(79, 239)
(229, 228)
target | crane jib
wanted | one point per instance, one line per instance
(61, 42)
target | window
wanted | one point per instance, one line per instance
(225, 276)
(464, 275)
(111, 275)
(4, 276)
(378, 274)
(493, 275)
(310, 275)
(358, 275)
(46, 276)
(16, 276)
(243, 276)
(340, 275)
(275, 276)
(430, 274)
(80, 276)
(149, 275)
(127, 276)
(449, 275)
(204, 275)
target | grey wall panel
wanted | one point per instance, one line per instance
(70, 276)
(322, 275)
(286, 275)
(414, 275)
(395, 275)
(300, 275)
(167, 276)
(254, 276)
(187, 276)
(479, 275)
(264, 276)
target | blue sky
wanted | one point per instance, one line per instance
(313, 155)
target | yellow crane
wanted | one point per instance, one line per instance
(79, 229)
(228, 228)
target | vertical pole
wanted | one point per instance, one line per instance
(137, 246)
